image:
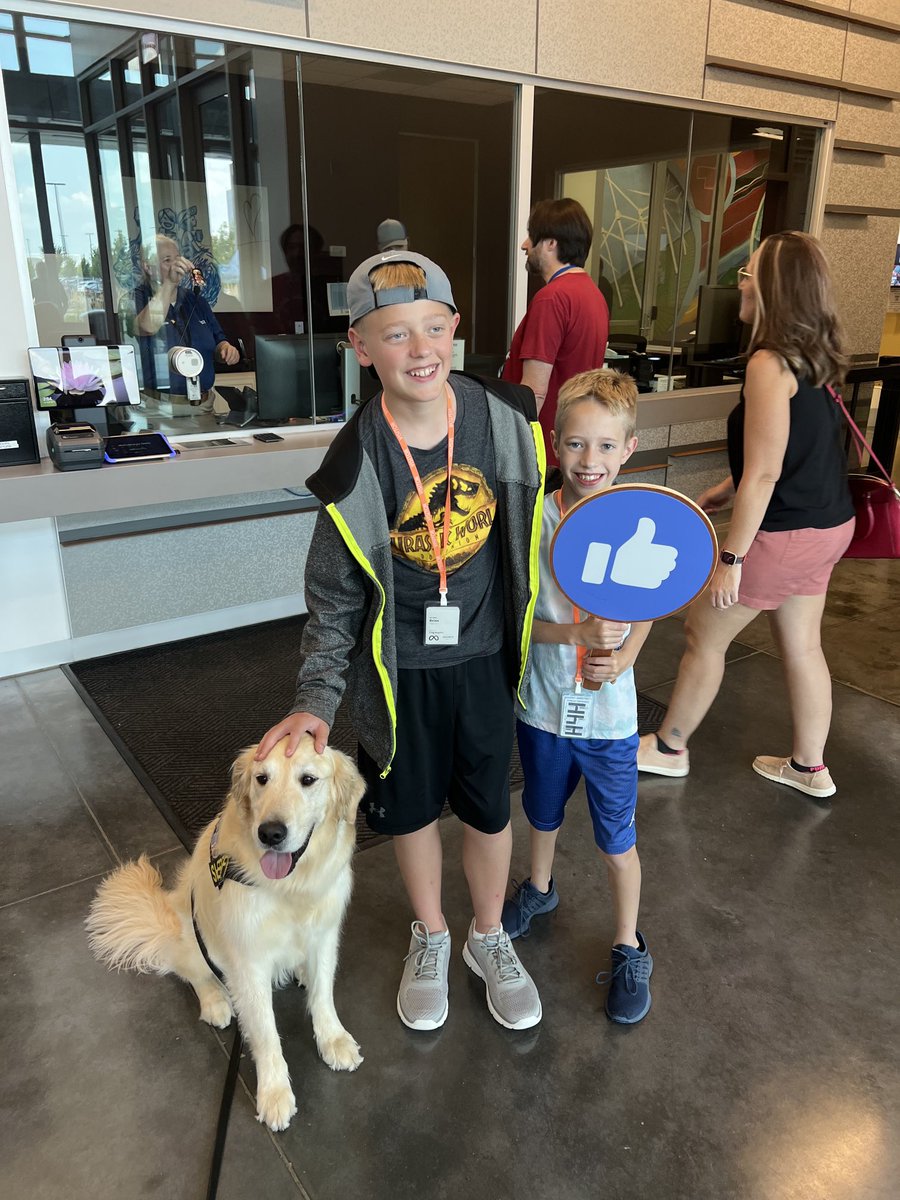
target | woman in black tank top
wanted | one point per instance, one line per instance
(792, 519)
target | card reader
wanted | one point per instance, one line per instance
(74, 447)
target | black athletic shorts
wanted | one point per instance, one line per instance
(454, 740)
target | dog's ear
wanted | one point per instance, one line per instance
(349, 787)
(241, 775)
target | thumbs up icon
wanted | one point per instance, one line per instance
(638, 562)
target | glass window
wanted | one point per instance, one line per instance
(47, 57)
(58, 29)
(100, 96)
(206, 52)
(191, 226)
(60, 233)
(9, 55)
(672, 226)
(624, 162)
(23, 166)
(441, 164)
(168, 135)
(164, 69)
(131, 78)
(747, 179)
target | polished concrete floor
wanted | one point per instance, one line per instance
(767, 1068)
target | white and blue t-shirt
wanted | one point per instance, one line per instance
(614, 710)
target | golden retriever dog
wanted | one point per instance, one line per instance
(260, 901)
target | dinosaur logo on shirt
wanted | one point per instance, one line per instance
(472, 508)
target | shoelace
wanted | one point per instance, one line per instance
(427, 954)
(635, 971)
(527, 901)
(496, 943)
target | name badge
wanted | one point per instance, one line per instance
(441, 625)
(575, 714)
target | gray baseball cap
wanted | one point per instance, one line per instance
(391, 235)
(362, 297)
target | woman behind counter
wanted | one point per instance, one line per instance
(793, 517)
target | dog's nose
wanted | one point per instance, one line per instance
(272, 833)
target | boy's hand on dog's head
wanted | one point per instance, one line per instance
(293, 728)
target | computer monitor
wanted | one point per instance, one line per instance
(84, 377)
(719, 329)
(284, 382)
(87, 384)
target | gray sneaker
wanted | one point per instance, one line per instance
(422, 1000)
(511, 995)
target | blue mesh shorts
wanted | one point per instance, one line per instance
(553, 767)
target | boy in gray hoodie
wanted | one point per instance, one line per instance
(421, 581)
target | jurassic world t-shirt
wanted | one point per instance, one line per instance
(473, 559)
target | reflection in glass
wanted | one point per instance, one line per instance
(131, 77)
(100, 96)
(206, 52)
(9, 56)
(669, 222)
(47, 57)
(58, 29)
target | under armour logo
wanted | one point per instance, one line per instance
(375, 811)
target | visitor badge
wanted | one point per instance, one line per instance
(441, 624)
(575, 714)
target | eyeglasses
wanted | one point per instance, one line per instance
(743, 273)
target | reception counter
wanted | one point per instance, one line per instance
(134, 554)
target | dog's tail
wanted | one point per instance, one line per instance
(132, 924)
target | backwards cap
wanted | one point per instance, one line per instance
(362, 298)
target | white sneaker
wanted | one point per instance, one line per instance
(511, 995)
(422, 1001)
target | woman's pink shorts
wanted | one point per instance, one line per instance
(791, 562)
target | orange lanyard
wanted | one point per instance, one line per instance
(440, 552)
(580, 651)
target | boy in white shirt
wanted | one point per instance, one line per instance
(593, 437)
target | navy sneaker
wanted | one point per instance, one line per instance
(526, 902)
(628, 1000)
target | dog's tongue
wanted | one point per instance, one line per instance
(275, 864)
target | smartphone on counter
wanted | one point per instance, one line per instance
(267, 437)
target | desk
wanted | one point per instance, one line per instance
(135, 554)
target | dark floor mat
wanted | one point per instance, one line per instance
(180, 713)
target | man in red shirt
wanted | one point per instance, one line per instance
(567, 324)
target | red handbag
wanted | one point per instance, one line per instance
(876, 501)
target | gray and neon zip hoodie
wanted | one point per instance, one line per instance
(349, 640)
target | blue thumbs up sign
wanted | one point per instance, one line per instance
(633, 553)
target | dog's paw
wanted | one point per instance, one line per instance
(216, 1011)
(341, 1053)
(275, 1106)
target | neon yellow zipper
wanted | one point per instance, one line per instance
(534, 557)
(354, 548)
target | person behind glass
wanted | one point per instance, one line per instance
(566, 327)
(593, 437)
(420, 585)
(793, 516)
(176, 306)
(391, 235)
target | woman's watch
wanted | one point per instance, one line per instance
(731, 560)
